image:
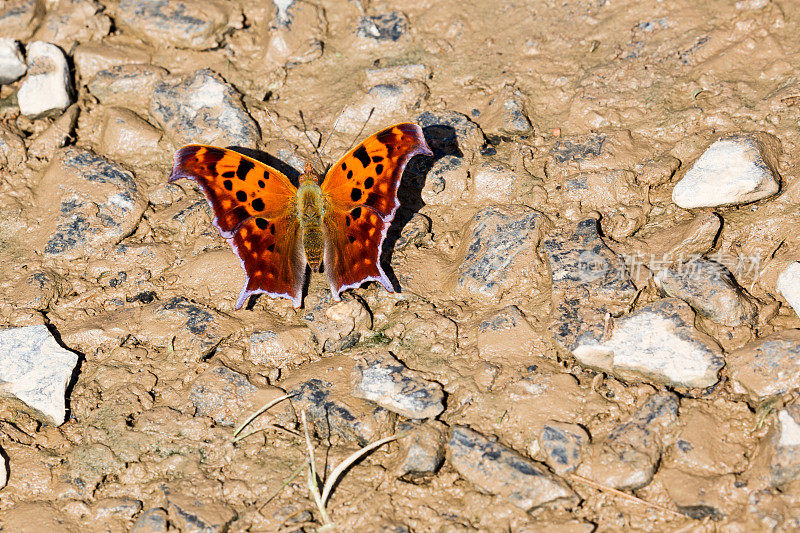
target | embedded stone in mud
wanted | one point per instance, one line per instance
(222, 394)
(628, 457)
(451, 133)
(657, 343)
(710, 289)
(386, 381)
(281, 346)
(789, 285)
(589, 283)
(446, 181)
(384, 102)
(506, 114)
(508, 335)
(737, 169)
(181, 23)
(187, 329)
(12, 62)
(202, 108)
(37, 371)
(504, 472)
(127, 85)
(332, 410)
(42, 147)
(562, 444)
(48, 86)
(336, 325)
(767, 367)
(86, 204)
(191, 514)
(422, 450)
(494, 182)
(153, 520)
(386, 27)
(130, 138)
(777, 460)
(20, 18)
(500, 251)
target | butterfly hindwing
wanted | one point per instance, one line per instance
(361, 190)
(255, 209)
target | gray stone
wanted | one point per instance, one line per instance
(121, 508)
(191, 514)
(659, 170)
(562, 444)
(501, 240)
(578, 149)
(499, 470)
(20, 18)
(736, 169)
(627, 459)
(446, 182)
(422, 450)
(128, 85)
(589, 283)
(386, 27)
(658, 343)
(38, 289)
(332, 410)
(130, 138)
(181, 23)
(222, 394)
(48, 85)
(416, 233)
(12, 62)
(67, 23)
(36, 370)
(710, 289)
(506, 114)
(382, 379)
(153, 520)
(279, 347)
(91, 203)
(451, 133)
(202, 108)
(767, 367)
(295, 35)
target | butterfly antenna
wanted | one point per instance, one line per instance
(335, 122)
(358, 135)
(291, 149)
(305, 131)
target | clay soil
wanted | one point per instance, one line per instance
(656, 77)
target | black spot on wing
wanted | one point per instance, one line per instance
(369, 182)
(244, 167)
(386, 136)
(258, 204)
(355, 194)
(351, 239)
(241, 196)
(379, 169)
(262, 223)
(362, 155)
(228, 184)
(228, 174)
(356, 213)
(377, 158)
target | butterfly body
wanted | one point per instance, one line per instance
(312, 207)
(277, 229)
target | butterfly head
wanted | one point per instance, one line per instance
(309, 175)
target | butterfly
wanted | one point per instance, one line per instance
(276, 229)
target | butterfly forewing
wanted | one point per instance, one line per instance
(255, 209)
(361, 191)
(237, 187)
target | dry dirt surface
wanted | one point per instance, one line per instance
(593, 325)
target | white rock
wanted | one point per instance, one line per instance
(731, 171)
(493, 182)
(658, 343)
(790, 430)
(12, 62)
(789, 285)
(36, 370)
(48, 85)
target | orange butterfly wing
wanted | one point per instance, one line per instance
(361, 190)
(255, 209)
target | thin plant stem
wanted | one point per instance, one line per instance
(254, 415)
